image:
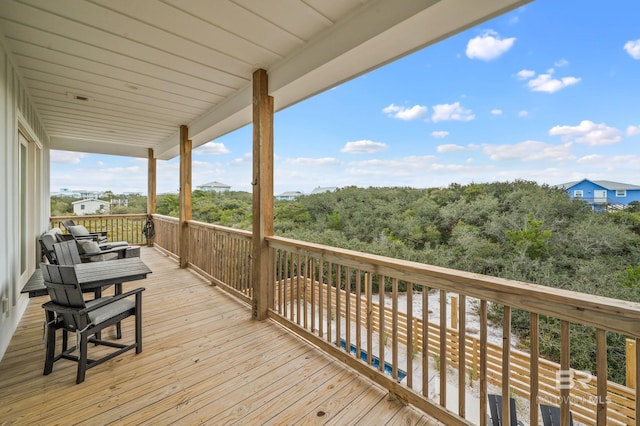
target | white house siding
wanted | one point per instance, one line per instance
(14, 103)
(90, 207)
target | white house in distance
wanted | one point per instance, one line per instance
(289, 196)
(214, 186)
(90, 206)
(323, 189)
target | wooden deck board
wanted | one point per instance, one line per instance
(204, 361)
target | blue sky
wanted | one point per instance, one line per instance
(549, 92)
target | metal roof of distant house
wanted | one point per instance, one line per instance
(90, 199)
(607, 184)
(321, 189)
(290, 194)
(214, 184)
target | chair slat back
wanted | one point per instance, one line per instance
(62, 284)
(67, 223)
(67, 253)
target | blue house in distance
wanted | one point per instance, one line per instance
(603, 194)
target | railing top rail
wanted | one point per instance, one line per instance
(98, 217)
(601, 312)
(220, 228)
(164, 217)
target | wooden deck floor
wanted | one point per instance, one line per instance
(204, 361)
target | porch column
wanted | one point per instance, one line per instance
(185, 194)
(151, 188)
(262, 192)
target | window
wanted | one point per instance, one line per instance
(81, 206)
(577, 193)
(621, 193)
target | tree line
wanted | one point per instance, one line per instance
(517, 230)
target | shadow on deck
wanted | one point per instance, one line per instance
(204, 361)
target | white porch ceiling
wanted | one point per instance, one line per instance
(120, 76)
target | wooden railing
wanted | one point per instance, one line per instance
(306, 277)
(125, 227)
(305, 298)
(167, 236)
(224, 255)
(293, 291)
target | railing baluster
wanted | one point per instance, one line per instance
(462, 350)
(358, 313)
(443, 348)
(565, 352)
(305, 294)
(425, 341)
(347, 304)
(312, 284)
(381, 323)
(506, 366)
(637, 389)
(298, 295)
(320, 297)
(534, 350)
(329, 308)
(338, 310)
(410, 352)
(394, 328)
(483, 362)
(601, 375)
(369, 290)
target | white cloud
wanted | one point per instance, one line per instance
(211, 148)
(440, 134)
(633, 48)
(100, 163)
(633, 130)
(496, 111)
(546, 83)
(66, 157)
(523, 113)
(403, 113)
(446, 112)
(561, 63)
(488, 46)
(525, 74)
(591, 159)
(305, 161)
(529, 151)
(450, 148)
(245, 159)
(588, 132)
(363, 147)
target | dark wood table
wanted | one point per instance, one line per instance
(93, 276)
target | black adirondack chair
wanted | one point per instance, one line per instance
(68, 311)
(551, 415)
(80, 232)
(495, 408)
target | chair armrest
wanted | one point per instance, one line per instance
(109, 249)
(111, 299)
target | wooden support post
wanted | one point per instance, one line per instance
(151, 188)
(262, 192)
(185, 194)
